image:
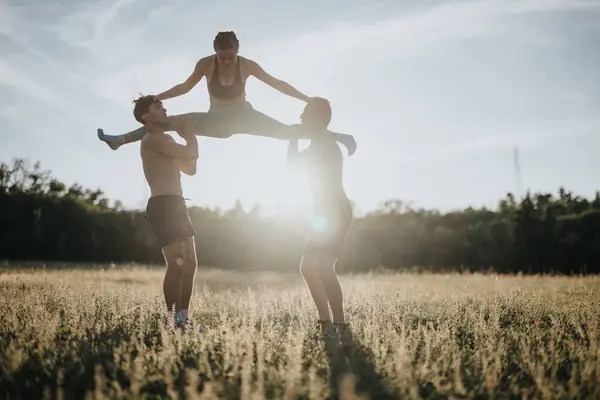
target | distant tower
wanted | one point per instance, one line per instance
(517, 165)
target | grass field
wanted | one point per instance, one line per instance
(100, 334)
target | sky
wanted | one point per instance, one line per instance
(437, 93)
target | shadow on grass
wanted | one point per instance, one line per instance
(351, 358)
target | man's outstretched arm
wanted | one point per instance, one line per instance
(166, 145)
(187, 167)
(346, 140)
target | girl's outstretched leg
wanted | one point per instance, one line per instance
(116, 141)
(226, 121)
(206, 125)
(249, 121)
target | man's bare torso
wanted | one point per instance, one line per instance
(325, 165)
(162, 172)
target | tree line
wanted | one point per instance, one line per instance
(41, 218)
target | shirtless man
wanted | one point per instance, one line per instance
(332, 215)
(163, 160)
(230, 113)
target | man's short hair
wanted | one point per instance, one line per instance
(321, 110)
(142, 104)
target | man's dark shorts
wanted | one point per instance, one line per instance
(329, 230)
(169, 219)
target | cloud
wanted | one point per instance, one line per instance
(103, 19)
(17, 79)
(129, 48)
(116, 42)
(408, 31)
(72, 65)
(527, 137)
(8, 14)
(88, 27)
(52, 71)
